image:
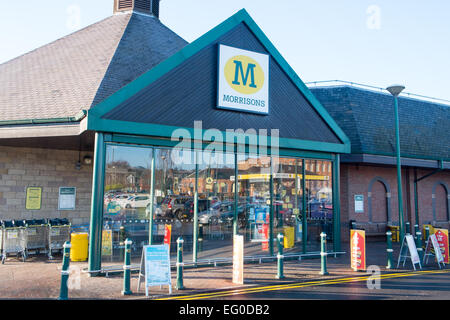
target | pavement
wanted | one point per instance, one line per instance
(39, 278)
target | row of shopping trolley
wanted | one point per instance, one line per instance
(24, 237)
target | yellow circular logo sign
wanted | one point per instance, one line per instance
(244, 74)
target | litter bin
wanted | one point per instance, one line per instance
(79, 249)
(289, 237)
(395, 230)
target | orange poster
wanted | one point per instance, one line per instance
(358, 250)
(442, 238)
(167, 234)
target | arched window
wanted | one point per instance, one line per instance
(374, 194)
(441, 202)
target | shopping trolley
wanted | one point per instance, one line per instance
(13, 239)
(58, 234)
(37, 236)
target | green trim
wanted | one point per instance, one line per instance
(96, 223)
(159, 142)
(165, 131)
(336, 205)
(77, 118)
(98, 111)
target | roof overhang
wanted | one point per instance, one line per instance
(392, 161)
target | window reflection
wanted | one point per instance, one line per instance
(128, 199)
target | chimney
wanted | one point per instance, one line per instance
(143, 6)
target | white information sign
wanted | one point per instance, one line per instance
(155, 267)
(432, 241)
(408, 244)
(243, 80)
(67, 198)
(359, 203)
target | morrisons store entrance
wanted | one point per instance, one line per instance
(221, 139)
(130, 185)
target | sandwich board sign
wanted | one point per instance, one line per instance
(155, 267)
(432, 241)
(238, 259)
(408, 244)
(358, 250)
(442, 239)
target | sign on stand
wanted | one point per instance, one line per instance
(442, 239)
(408, 244)
(155, 267)
(432, 241)
(358, 250)
(238, 259)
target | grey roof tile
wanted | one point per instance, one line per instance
(80, 70)
(367, 118)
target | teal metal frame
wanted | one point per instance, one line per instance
(103, 140)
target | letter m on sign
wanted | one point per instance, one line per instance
(240, 71)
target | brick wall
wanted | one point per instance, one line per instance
(49, 169)
(355, 180)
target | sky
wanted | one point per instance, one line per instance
(377, 42)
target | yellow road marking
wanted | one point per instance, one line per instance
(300, 285)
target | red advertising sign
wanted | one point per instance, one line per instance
(167, 234)
(265, 243)
(358, 250)
(442, 239)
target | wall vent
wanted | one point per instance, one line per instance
(144, 6)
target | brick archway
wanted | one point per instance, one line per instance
(388, 198)
(435, 200)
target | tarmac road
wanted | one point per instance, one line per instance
(420, 285)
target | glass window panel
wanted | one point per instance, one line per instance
(216, 205)
(254, 197)
(319, 204)
(126, 196)
(288, 202)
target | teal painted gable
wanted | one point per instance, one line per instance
(183, 89)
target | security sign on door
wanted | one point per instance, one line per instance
(243, 80)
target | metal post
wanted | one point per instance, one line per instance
(127, 268)
(427, 233)
(399, 170)
(280, 257)
(122, 238)
(200, 237)
(195, 235)
(416, 197)
(336, 204)
(180, 263)
(95, 243)
(416, 229)
(64, 290)
(271, 209)
(390, 251)
(152, 200)
(323, 253)
(408, 227)
(304, 208)
(419, 244)
(236, 196)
